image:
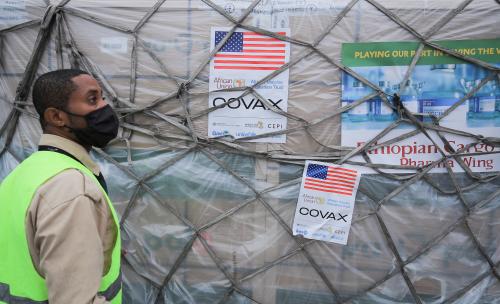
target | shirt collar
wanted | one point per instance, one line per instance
(73, 148)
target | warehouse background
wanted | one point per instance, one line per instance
(209, 220)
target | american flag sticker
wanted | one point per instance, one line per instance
(325, 206)
(245, 50)
(330, 179)
(243, 59)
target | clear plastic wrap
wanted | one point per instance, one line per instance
(209, 220)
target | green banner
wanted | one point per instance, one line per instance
(401, 53)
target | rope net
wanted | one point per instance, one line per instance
(208, 220)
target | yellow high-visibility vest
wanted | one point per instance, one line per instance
(19, 280)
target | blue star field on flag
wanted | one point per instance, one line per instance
(233, 44)
(317, 171)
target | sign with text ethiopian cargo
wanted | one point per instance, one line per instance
(244, 59)
(326, 202)
(438, 82)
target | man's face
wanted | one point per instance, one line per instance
(85, 99)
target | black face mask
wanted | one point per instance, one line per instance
(102, 127)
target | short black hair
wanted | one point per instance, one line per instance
(53, 89)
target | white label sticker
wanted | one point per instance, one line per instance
(326, 202)
(244, 60)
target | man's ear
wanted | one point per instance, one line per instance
(55, 117)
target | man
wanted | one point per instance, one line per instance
(59, 234)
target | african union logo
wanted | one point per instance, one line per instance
(311, 199)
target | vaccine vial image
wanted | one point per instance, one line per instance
(380, 110)
(409, 96)
(354, 90)
(482, 108)
(441, 93)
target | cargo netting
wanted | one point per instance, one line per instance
(208, 220)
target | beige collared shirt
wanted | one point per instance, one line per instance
(70, 230)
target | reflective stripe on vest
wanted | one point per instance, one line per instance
(6, 297)
(19, 280)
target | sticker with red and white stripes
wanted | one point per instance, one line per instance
(332, 179)
(245, 50)
(325, 205)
